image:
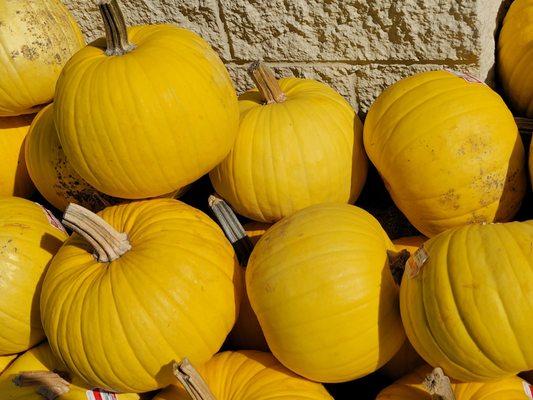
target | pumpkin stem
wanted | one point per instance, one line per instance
(439, 386)
(108, 243)
(50, 384)
(397, 260)
(266, 83)
(116, 32)
(232, 228)
(192, 381)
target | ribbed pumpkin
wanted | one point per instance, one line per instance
(466, 309)
(28, 241)
(448, 150)
(5, 361)
(152, 112)
(320, 285)
(299, 143)
(515, 57)
(411, 387)
(250, 375)
(50, 171)
(41, 359)
(14, 178)
(38, 37)
(164, 285)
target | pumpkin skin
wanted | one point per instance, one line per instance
(448, 150)
(28, 241)
(320, 285)
(464, 311)
(290, 155)
(38, 38)
(250, 375)
(165, 100)
(14, 178)
(411, 387)
(5, 361)
(515, 57)
(41, 358)
(153, 301)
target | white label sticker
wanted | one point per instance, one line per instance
(528, 389)
(98, 394)
(467, 77)
(52, 219)
(417, 261)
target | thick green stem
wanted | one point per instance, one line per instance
(116, 32)
(266, 83)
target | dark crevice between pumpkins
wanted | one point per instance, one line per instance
(397, 260)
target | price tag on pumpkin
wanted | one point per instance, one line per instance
(98, 394)
(528, 389)
(467, 77)
(52, 220)
(417, 261)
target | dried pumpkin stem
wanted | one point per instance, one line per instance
(232, 228)
(439, 386)
(116, 32)
(50, 385)
(192, 381)
(397, 260)
(106, 241)
(266, 83)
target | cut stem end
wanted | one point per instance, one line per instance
(192, 381)
(266, 83)
(116, 32)
(439, 386)
(50, 385)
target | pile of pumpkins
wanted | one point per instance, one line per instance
(150, 298)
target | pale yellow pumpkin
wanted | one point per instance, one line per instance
(411, 387)
(5, 361)
(165, 288)
(448, 150)
(28, 241)
(142, 119)
(320, 285)
(301, 148)
(466, 309)
(42, 359)
(14, 178)
(515, 56)
(38, 37)
(250, 375)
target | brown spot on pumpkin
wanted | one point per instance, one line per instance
(58, 58)
(450, 199)
(477, 219)
(29, 53)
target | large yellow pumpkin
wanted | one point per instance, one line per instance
(411, 387)
(466, 309)
(320, 285)
(515, 56)
(165, 285)
(448, 150)
(143, 119)
(5, 361)
(29, 238)
(14, 178)
(41, 359)
(38, 37)
(250, 375)
(300, 146)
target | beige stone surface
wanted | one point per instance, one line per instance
(357, 46)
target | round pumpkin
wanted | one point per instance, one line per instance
(298, 147)
(151, 111)
(448, 150)
(320, 285)
(38, 37)
(5, 361)
(464, 299)
(515, 57)
(411, 387)
(29, 238)
(250, 375)
(14, 178)
(41, 359)
(165, 285)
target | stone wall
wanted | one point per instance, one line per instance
(357, 46)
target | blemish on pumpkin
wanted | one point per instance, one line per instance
(29, 53)
(450, 199)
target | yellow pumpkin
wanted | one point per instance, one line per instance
(448, 150)
(14, 178)
(151, 112)
(28, 241)
(5, 361)
(250, 375)
(515, 57)
(42, 359)
(50, 171)
(38, 37)
(320, 285)
(465, 299)
(165, 285)
(302, 147)
(409, 243)
(411, 387)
